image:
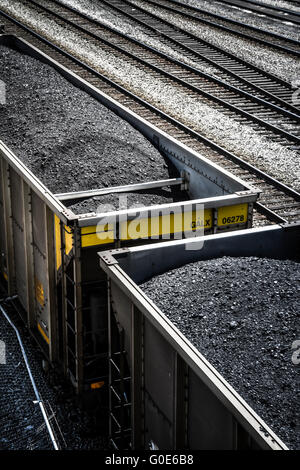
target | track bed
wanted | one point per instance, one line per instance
(22, 425)
(241, 314)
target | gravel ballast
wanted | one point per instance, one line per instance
(277, 160)
(20, 418)
(65, 137)
(120, 23)
(242, 315)
(281, 4)
(278, 63)
(246, 50)
(245, 16)
(21, 424)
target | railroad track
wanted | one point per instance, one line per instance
(294, 2)
(278, 203)
(272, 11)
(233, 70)
(273, 40)
(274, 119)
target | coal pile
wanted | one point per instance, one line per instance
(122, 201)
(67, 138)
(242, 315)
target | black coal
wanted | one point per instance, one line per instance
(242, 314)
(67, 138)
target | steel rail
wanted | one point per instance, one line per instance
(236, 22)
(173, 77)
(36, 392)
(250, 37)
(272, 7)
(214, 62)
(275, 184)
(257, 7)
(294, 114)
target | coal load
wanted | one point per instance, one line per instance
(67, 138)
(242, 315)
(122, 201)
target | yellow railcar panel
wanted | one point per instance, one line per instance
(68, 239)
(97, 235)
(166, 224)
(201, 220)
(57, 242)
(43, 333)
(163, 225)
(229, 215)
(39, 292)
(134, 229)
